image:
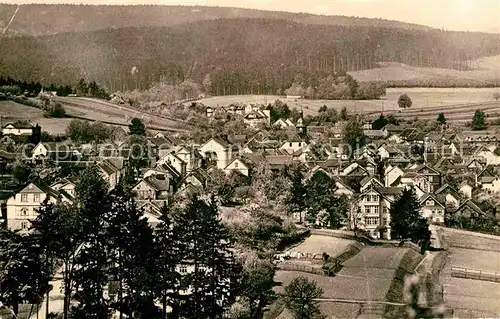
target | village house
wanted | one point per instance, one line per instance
(374, 206)
(257, 117)
(18, 128)
(238, 165)
(283, 123)
(217, 151)
(110, 173)
(22, 207)
(432, 209)
(153, 188)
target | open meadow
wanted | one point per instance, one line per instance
(432, 100)
(317, 244)
(367, 276)
(471, 298)
(11, 112)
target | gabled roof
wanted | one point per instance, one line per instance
(425, 197)
(470, 204)
(219, 141)
(446, 187)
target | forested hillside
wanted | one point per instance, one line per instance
(232, 56)
(44, 19)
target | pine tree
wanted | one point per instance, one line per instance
(441, 119)
(136, 127)
(478, 122)
(130, 240)
(207, 251)
(91, 261)
(406, 221)
(168, 254)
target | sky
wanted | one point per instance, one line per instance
(460, 15)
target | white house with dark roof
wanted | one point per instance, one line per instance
(432, 209)
(18, 128)
(22, 207)
(217, 151)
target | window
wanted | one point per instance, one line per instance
(36, 197)
(372, 221)
(24, 225)
(300, 144)
(430, 203)
(183, 269)
(236, 164)
(367, 209)
(290, 144)
(374, 198)
(24, 198)
(385, 210)
(384, 221)
(24, 211)
(376, 209)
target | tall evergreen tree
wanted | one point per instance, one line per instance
(169, 251)
(136, 127)
(91, 261)
(478, 122)
(441, 118)
(207, 251)
(130, 240)
(406, 221)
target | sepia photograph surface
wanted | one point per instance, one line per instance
(252, 159)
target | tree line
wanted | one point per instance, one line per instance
(32, 89)
(247, 62)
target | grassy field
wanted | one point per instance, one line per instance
(369, 275)
(12, 111)
(94, 109)
(317, 244)
(433, 100)
(393, 71)
(471, 298)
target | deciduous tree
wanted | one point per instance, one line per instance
(404, 101)
(300, 297)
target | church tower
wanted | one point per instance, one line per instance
(301, 126)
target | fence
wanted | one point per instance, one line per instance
(469, 273)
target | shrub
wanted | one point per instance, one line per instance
(330, 265)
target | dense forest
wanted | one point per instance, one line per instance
(38, 19)
(231, 56)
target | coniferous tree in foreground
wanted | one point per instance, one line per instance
(169, 252)
(91, 260)
(130, 240)
(207, 252)
(406, 221)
